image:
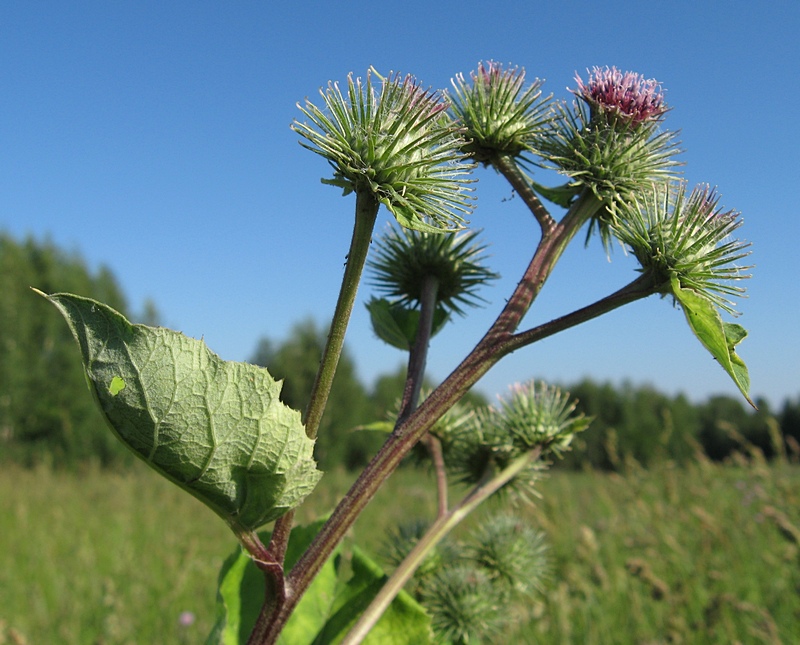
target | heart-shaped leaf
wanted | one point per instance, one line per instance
(217, 429)
(397, 324)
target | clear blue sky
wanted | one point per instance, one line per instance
(154, 137)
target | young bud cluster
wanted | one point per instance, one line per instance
(477, 587)
(535, 416)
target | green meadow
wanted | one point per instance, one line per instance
(702, 553)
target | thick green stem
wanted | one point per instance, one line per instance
(435, 534)
(366, 213)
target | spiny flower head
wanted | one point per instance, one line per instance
(538, 414)
(499, 114)
(534, 416)
(512, 553)
(463, 608)
(610, 142)
(396, 143)
(405, 259)
(687, 238)
(625, 97)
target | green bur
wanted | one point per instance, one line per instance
(215, 428)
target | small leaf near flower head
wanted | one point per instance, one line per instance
(397, 324)
(687, 239)
(718, 337)
(684, 243)
(499, 114)
(396, 144)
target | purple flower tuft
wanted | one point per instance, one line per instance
(186, 619)
(628, 97)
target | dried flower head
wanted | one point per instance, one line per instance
(396, 143)
(499, 114)
(627, 97)
(687, 238)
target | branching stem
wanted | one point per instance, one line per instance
(509, 168)
(486, 353)
(499, 341)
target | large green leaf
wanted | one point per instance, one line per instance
(405, 621)
(718, 337)
(240, 594)
(215, 428)
(328, 609)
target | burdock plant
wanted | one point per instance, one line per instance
(219, 430)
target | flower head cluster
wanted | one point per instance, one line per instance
(499, 114)
(609, 141)
(396, 143)
(685, 240)
(627, 98)
(534, 416)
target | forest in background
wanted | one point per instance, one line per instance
(48, 417)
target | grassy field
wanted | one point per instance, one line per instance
(699, 554)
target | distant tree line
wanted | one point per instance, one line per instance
(47, 414)
(642, 423)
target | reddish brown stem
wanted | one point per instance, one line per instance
(489, 350)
